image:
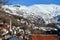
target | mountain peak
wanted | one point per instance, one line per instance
(47, 12)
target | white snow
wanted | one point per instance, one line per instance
(45, 11)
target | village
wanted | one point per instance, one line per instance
(25, 28)
(33, 22)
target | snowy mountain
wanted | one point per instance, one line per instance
(58, 17)
(45, 12)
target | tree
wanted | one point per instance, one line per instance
(4, 1)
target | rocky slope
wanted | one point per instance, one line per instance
(38, 12)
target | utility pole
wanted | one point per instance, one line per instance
(10, 25)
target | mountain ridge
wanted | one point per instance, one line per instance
(47, 12)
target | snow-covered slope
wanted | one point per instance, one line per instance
(47, 12)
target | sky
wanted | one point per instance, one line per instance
(32, 2)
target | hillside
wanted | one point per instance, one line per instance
(46, 12)
(30, 17)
